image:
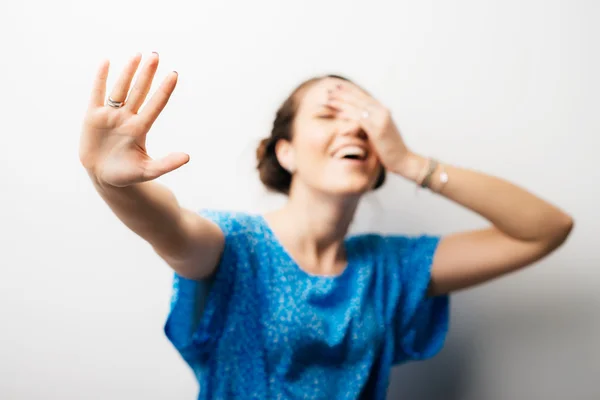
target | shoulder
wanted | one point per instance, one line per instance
(395, 247)
(243, 231)
(232, 223)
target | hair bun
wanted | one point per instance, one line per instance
(261, 150)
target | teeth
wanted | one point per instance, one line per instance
(350, 151)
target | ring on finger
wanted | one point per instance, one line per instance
(366, 113)
(114, 104)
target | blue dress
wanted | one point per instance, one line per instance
(262, 328)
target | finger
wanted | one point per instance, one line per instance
(350, 97)
(353, 113)
(350, 87)
(340, 105)
(119, 91)
(370, 108)
(159, 99)
(99, 86)
(367, 108)
(142, 84)
(156, 168)
(346, 109)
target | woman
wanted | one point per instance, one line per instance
(286, 304)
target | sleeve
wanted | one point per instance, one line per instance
(198, 307)
(420, 322)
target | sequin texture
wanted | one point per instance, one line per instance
(262, 328)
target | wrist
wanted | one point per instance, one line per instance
(411, 166)
(106, 189)
(98, 184)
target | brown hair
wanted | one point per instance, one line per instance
(271, 173)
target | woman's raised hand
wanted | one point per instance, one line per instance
(113, 139)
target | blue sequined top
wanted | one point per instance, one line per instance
(262, 328)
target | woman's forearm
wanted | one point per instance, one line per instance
(149, 209)
(513, 210)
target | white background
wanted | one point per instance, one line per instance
(507, 87)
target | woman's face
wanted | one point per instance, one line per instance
(328, 153)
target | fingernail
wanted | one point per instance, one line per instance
(155, 52)
(176, 73)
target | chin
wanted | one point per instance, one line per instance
(351, 187)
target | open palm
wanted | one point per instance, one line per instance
(113, 140)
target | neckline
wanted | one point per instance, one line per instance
(295, 265)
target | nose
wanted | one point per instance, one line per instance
(352, 128)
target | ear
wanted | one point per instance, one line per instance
(285, 155)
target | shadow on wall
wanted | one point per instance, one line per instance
(446, 376)
(542, 349)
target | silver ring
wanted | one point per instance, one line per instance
(114, 104)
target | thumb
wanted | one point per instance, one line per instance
(156, 168)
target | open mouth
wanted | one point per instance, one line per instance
(352, 153)
(353, 157)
